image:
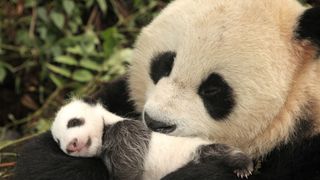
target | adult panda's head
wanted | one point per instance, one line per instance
(231, 71)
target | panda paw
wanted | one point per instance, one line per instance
(240, 163)
(243, 173)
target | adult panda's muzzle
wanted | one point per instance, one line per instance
(158, 126)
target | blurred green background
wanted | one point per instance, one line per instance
(51, 50)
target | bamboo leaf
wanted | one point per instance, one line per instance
(82, 75)
(59, 70)
(56, 80)
(58, 19)
(102, 5)
(66, 60)
(68, 6)
(90, 64)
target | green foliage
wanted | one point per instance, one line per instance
(49, 46)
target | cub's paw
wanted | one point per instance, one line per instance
(240, 163)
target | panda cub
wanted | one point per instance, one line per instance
(129, 149)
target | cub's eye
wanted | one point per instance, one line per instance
(217, 96)
(74, 122)
(161, 65)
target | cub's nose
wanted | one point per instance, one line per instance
(75, 146)
(158, 126)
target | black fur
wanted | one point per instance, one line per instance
(158, 126)
(309, 26)
(313, 2)
(125, 145)
(217, 96)
(115, 96)
(161, 65)
(231, 158)
(42, 159)
(75, 122)
(293, 161)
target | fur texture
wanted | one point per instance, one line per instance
(42, 159)
(253, 46)
(265, 50)
(129, 149)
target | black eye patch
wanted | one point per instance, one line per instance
(161, 65)
(74, 122)
(217, 96)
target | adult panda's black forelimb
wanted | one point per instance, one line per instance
(114, 95)
(42, 159)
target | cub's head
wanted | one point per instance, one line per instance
(78, 127)
(225, 70)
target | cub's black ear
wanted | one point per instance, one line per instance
(309, 26)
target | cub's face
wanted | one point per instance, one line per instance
(78, 128)
(220, 70)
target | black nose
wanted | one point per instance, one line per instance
(158, 126)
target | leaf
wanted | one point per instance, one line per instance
(90, 64)
(58, 19)
(89, 3)
(59, 70)
(75, 50)
(66, 60)
(42, 13)
(56, 80)
(82, 75)
(3, 74)
(43, 31)
(68, 6)
(56, 50)
(102, 5)
(111, 38)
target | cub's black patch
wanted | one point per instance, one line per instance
(74, 122)
(309, 26)
(161, 65)
(217, 96)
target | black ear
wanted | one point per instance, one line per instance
(309, 26)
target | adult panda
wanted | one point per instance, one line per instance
(243, 73)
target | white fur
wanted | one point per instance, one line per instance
(167, 153)
(251, 44)
(95, 117)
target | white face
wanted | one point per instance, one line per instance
(216, 69)
(78, 128)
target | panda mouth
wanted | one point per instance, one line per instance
(158, 126)
(166, 129)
